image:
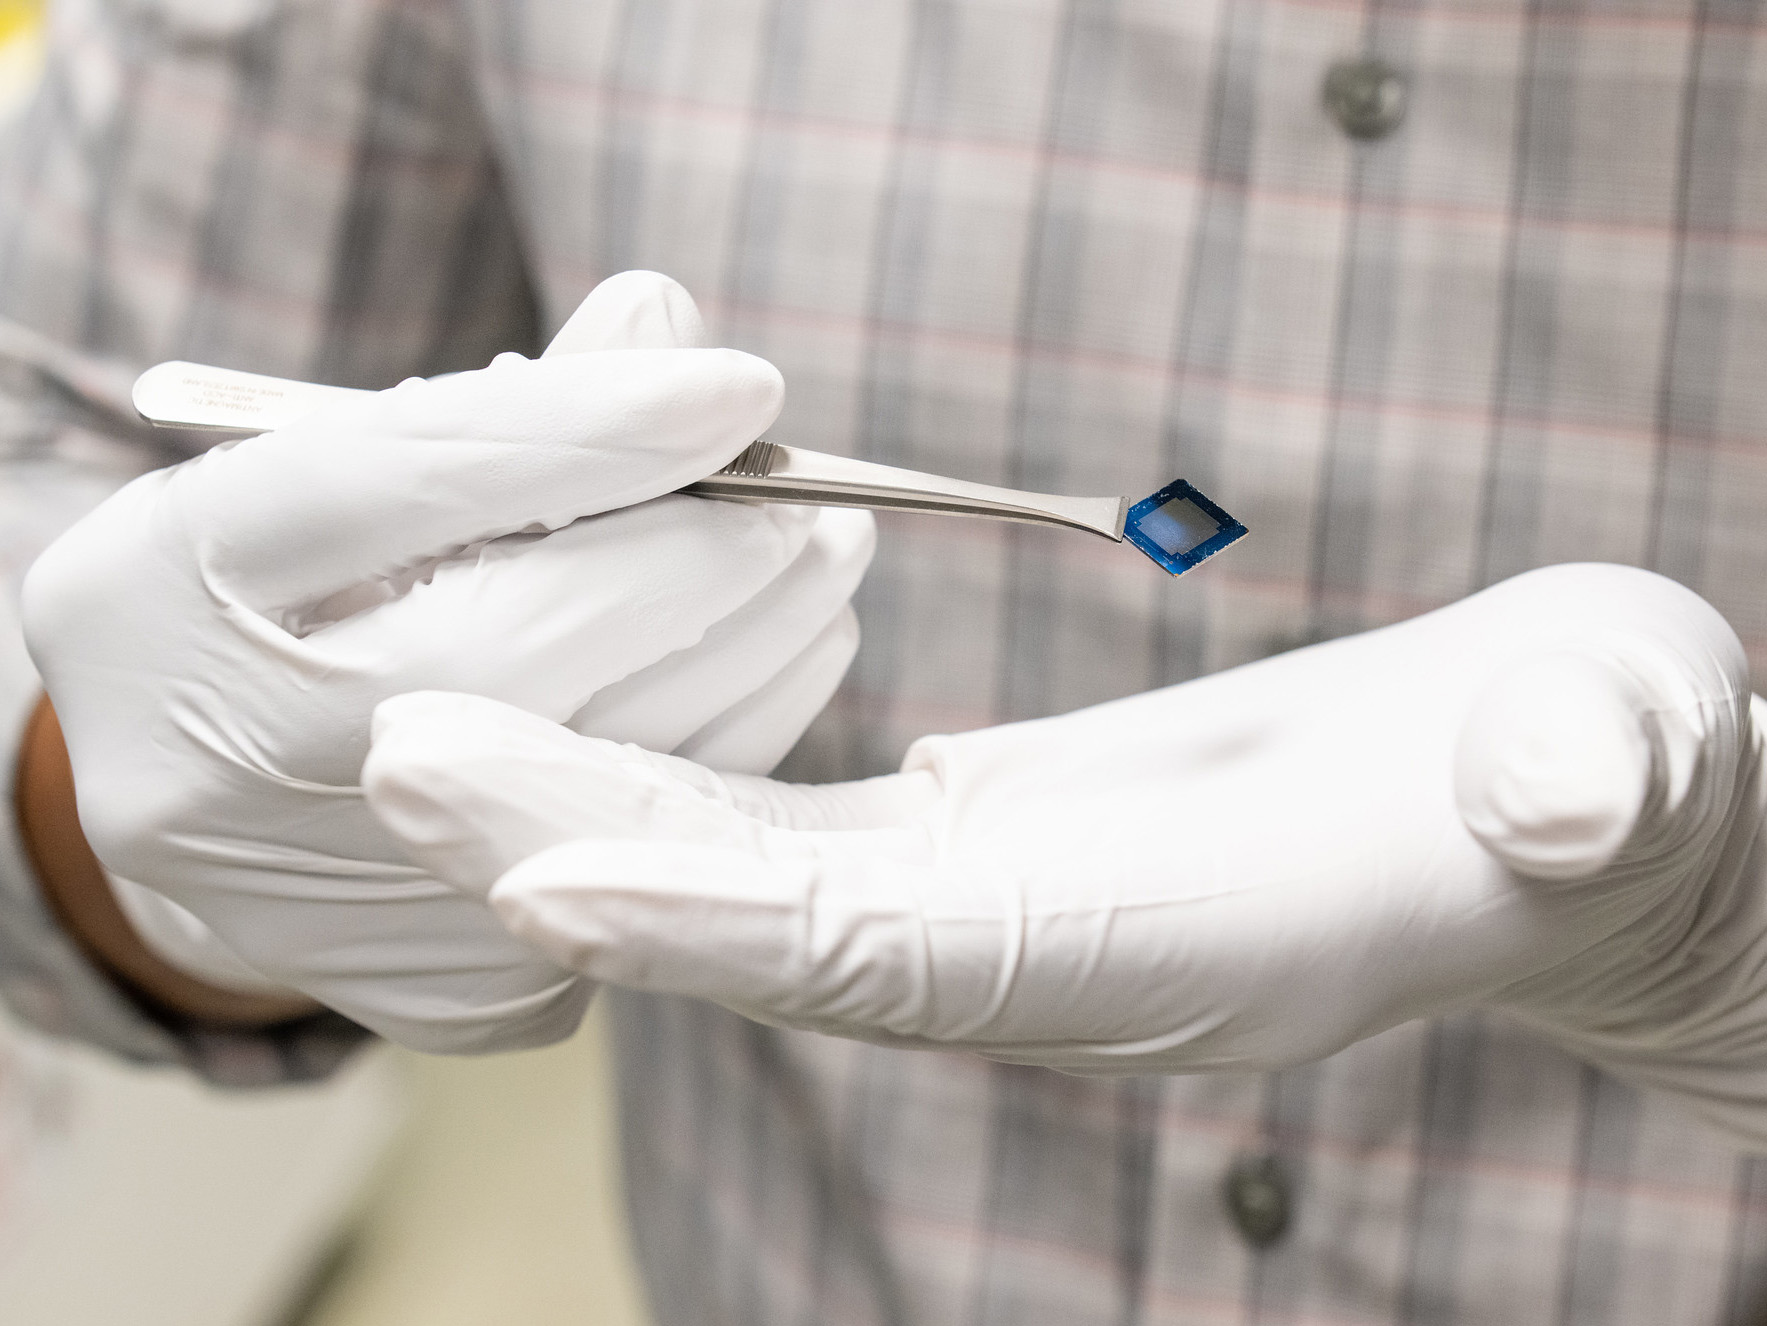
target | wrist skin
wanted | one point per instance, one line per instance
(74, 886)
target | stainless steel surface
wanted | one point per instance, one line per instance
(769, 472)
(224, 400)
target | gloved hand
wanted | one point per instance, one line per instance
(216, 635)
(1544, 799)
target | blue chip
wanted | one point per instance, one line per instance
(1178, 527)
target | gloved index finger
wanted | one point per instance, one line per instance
(365, 489)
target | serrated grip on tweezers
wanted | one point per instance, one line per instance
(755, 461)
(183, 395)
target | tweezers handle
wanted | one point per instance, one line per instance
(183, 395)
(177, 394)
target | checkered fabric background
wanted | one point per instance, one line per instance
(1083, 247)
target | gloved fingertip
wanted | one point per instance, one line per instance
(548, 901)
(451, 725)
(756, 383)
(635, 310)
(851, 532)
(795, 524)
(414, 712)
(644, 915)
(422, 779)
(433, 789)
(1553, 767)
(727, 394)
(756, 733)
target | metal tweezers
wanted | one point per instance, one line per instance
(195, 396)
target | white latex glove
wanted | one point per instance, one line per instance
(1546, 799)
(216, 635)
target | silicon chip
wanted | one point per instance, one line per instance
(1180, 528)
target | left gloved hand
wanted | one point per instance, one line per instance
(1544, 799)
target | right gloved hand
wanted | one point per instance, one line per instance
(215, 637)
(1548, 799)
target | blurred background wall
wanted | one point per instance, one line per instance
(412, 1190)
(499, 1203)
(409, 1190)
(21, 51)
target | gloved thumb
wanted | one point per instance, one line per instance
(471, 786)
(653, 872)
(1613, 727)
(1554, 765)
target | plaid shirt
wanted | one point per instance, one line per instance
(1073, 245)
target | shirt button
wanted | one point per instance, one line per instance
(1257, 1195)
(1365, 96)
